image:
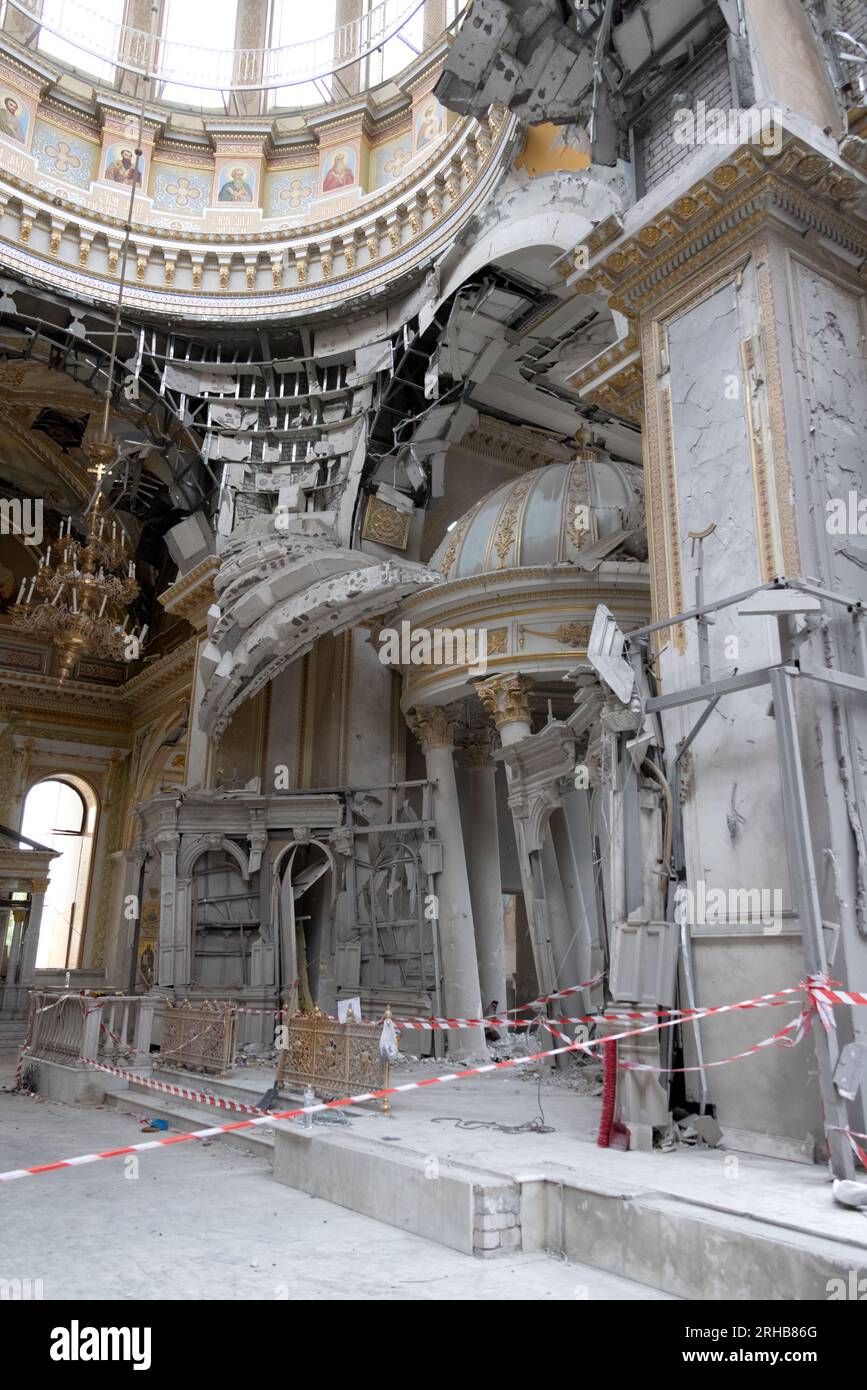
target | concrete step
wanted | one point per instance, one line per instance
(247, 1088)
(187, 1115)
(190, 1115)
(689, 1249)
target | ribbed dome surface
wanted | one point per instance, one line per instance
(543, 517)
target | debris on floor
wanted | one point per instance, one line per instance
(689, 1131)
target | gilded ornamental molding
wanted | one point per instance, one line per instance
(363, 249)
(433, 726)
(506, 699)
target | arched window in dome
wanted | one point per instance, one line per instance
(92, 25)
(200, 40)
(313, 27)
(400, 50)
(61, 813)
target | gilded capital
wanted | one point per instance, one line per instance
(474, 745)
(433, 726)
(506, 699)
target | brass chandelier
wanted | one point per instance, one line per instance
(80, 595)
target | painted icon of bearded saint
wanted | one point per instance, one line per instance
(11, 124)
(123, 169)
(236, 189)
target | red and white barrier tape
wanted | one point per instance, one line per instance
(504, 1020)
(838, 996)
(853, 1136)
(170, 1089)
(775, 1040)
(82, 1159)
(508, 1063)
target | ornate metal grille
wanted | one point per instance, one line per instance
(199, 1037)
(335, 1059)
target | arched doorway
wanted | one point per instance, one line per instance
(299, 870)
(61, 812)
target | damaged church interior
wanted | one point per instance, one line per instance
(433, 648)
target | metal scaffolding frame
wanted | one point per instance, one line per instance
(782, 677)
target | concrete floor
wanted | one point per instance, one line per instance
(253, 1238)
(207, 1222)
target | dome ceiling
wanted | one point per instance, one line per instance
(550, 516)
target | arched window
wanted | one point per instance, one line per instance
(313, 27)
(93, 27)
(61, 813)
(400, 50)
(200, 40)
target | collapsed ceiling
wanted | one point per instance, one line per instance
(595, 62)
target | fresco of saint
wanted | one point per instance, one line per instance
(13, 121)
(123, 169)
(341, 173)
(237, 188)
(428, 128)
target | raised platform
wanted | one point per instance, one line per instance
(681, 1222)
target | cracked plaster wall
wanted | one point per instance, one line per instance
(732, 809)
(826, 384)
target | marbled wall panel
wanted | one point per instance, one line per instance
(735, 755)
(732, 804)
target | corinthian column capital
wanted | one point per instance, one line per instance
(474, 744)
(506, 699)
(433, 727)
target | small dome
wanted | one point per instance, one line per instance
(546, 517)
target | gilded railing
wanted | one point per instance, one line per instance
(333, 1059)
(198, 1037)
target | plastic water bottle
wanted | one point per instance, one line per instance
(309, 1099)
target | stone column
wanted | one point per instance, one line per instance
(434, 728)
(135, 43)
(434, 20)
(17, 25)
(506, 700)
(483, 862)
(173, 971)
(251, 38)
(190, 597)
(38, 889)
(349, 78)
(126, 865)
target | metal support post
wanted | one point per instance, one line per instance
(806, 891)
